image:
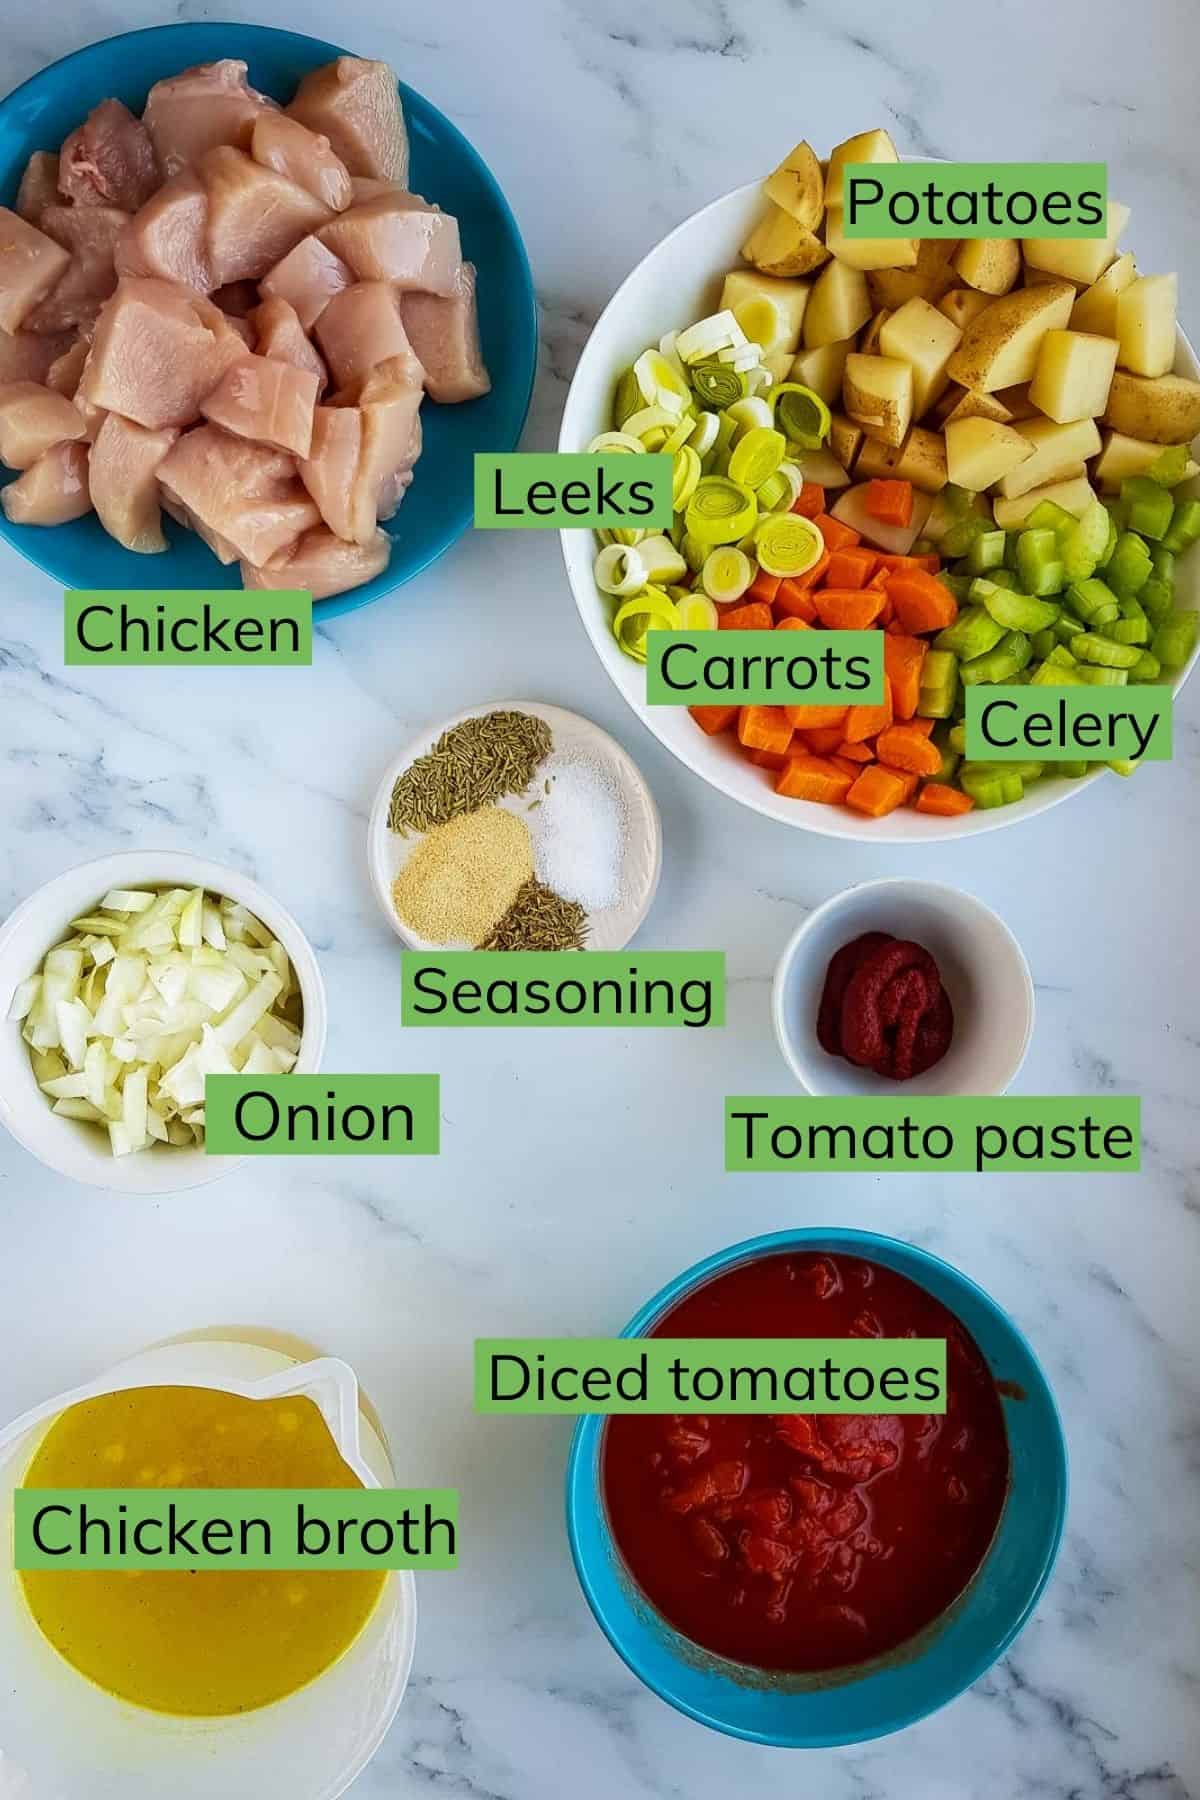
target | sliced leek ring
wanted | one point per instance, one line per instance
(693, 553)
(650, 419)
(718, 384)
(788, 544)
(747, 414)
(661, 561)
(704, 433)
(707, 336)
(659, 384)
(686, 474)
(651, 610)
(675, 440)
(780, 491)
(696, 613)
(756, 455)
(626, 399)
(615, 443)
(800, 414)
(720, 511)
(726, 574)
(619, 569)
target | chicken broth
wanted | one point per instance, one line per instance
(205, 1642)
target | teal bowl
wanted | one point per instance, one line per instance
(438, 507)
(869, 1700)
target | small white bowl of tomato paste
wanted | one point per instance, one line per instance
(812, 1578)
(903, 987)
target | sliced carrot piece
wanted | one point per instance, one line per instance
(924, 726)
(815, 718)
(856, 753)
(712, 719)
(824, 740)
(921, 601)
(850, 568)
(810, 502)
(877, 791)
(903, 657)
(946, 801)
(890, 501)
(902, 747)
(813, 778)
(864, 722)
(847, 765)
(793, 625)
(764, 728)
(768, 759)
(902, 564)
(764, 586)
(848, 609)
(795, 601)
(755, 617)
(837, 536)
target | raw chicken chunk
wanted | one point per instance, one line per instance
(90, 234)
(304, 156)
(32, 420)
(237, 299)
(52, 491)
(39, 186)
(123, 482)
(369, 187)
(191, 113)
(391, 434)
(267, 400)
(244, 329)
(359, 329)
(254, 215)
(398, 237)
(322, 564)
(64, 372)
(307, 278)
(356, 105)
(159, 349)
(30, 265)
(444, 333)
(168, 238)
(241, 495)
(330, 473)
(109, 160)
(24, 357)
(281, 335)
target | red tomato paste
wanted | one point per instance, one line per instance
(808, 1542)
(884, 1007)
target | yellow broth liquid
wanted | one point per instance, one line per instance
(208, 1642)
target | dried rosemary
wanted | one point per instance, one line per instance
(539, 919)
(471, 765)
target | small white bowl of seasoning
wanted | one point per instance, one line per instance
(574, 862)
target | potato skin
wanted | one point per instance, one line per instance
(1161, 409)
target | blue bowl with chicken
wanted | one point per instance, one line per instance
(444, 167)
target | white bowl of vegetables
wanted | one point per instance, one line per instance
(682, 283)
(123, 982)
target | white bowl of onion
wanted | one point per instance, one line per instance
(203, 987)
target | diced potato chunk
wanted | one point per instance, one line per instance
(823, 370)
(1058, 451)
(877, 392)
(1078, 259)
(990, 264)
(779, 245)
(961, 305)
(798, 186)
(981, 451)
(1074, 496)
(867, 253)
(770, 311)
(924, 338)
(1146, 312)
(865, 147)
(1121, 457)
(838, 306)
(1073, 375)
(1163, 408)
(1000, 348)
(921, 459)
(1096, 308)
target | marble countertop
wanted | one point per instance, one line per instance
(576, 1177)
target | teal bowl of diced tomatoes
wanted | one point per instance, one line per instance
(858, 1701)
(678, 282)
(445, 168)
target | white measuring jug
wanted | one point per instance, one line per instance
(61, 1738)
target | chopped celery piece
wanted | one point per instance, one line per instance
(1039, 566)
(1170, 466)
(1146, 668)
(957, 739)
(1003, 578)
(1184, 528)
(1062, 656)
(1128, 566)
(1065, 627)
(1150, 506)
(1095, 676)
(1001, 663)
(990, 784)
(950, 757)
(1071, 771)
(1090, 647)
(959, 585)
(1127, 631)
(1011, 539)
(1162, 561)
(1118, 512)
(1016, 612)
(1028, 771)
(1044, 644)
(1053, 674)
(1083, 541)
(1047, 515)
(972, 633)
(1093, 601)
(960, 537)
(1110, 543)
(987, 552)
(1125, 765)
(1175, 638)
(939, 685)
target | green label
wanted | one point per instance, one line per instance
(235, 1528)
(691, 1375)
(321, 1115)
(1048, 724)
(198, 628)
(546, 490)
(1008, 1135)
(976, 200)
(546, 987)
(764, 668)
